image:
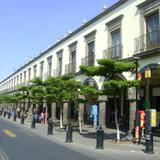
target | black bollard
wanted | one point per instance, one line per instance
(9, 115)
(149, 140)
(50, 127)
(14, 117)
(22, 119)
(33, 123)
(100, 138)
(69, 134)
(4, 114)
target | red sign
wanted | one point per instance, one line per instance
(142, 118)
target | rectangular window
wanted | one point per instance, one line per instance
(17, 79)
(34, 71)
(41, 70)
(152, 22)
(115, 38)
(91, 50)
(71, 67)
(49, 69)
(73, 57)
(114, 50)
(152, 30)
(21, 78)
(14, 81)
(115, 44)
(29, 74)
(60, 66)
(59, 62)
(24, 76)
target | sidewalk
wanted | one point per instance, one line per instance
(88, 138)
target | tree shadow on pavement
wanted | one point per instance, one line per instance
(110, 136)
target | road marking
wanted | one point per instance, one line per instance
(9, 133)
(3, 155)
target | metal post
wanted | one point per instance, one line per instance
(137, 140)
(9, 114)
(14, 116)
(22, 119)
(100, 138)
(33, 123)
(69, 134)
(149, 140)
(149, 134)
(4, 114)
(50, 127)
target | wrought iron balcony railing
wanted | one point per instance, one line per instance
(147, 42)
(89, 60)
(70, 68)
(115, 52)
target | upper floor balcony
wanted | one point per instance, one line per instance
(115, 52)
(147, 42)
(89, 60)
(70, 68)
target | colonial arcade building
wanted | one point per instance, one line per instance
(128, 29)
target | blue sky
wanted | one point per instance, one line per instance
(28, 27)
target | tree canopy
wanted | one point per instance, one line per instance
(109, 68)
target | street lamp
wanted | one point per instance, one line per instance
(136, 60)
(136, 114)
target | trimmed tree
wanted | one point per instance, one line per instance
(109, 69)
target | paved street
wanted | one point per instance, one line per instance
(19, 142)
(28, 146)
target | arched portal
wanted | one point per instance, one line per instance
(91, 103)
(149, 91)
(122, 106)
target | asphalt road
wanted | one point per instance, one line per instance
(19, 144)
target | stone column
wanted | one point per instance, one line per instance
(65, 112)
(81, 109)
(132, 107)
(53, 111)
(81, 112)
(102, 110)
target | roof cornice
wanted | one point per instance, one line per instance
(105, 12)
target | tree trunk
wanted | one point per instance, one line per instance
(61, 117)
(116, 120)
(80, 123)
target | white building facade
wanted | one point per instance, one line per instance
(128, 28)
